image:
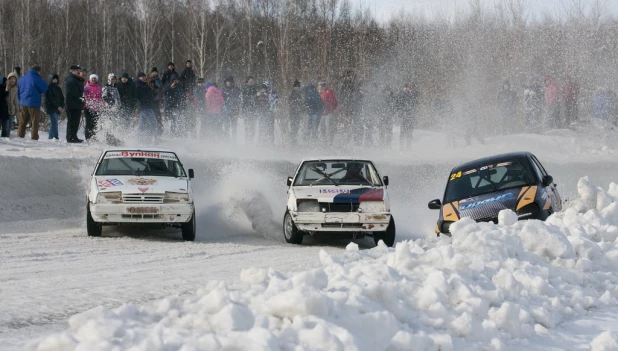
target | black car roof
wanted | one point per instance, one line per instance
(491, 160)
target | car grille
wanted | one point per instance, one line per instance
(142, 198)
(342, 225)
(140, 216)
(338, 207)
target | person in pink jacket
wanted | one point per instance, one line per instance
(93, 105)
(552, 102)
(214, 102)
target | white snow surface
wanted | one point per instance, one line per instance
(489, 286)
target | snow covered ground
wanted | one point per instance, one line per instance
(534, 285)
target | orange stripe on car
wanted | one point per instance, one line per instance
(526, 196)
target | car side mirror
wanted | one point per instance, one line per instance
(289, 182)
(434, 204)
(548, 180)
(191, 173)
(385, 180)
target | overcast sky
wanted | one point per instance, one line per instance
(385, 9)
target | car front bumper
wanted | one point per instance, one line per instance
(341, 221)
(142, 213)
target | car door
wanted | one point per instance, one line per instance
(552, 192)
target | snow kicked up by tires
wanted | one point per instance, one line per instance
(497, 286)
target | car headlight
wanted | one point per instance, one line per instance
(174, 198)
(113, 197)
(372, 206)
(308, 206)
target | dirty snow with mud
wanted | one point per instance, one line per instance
(511, 286)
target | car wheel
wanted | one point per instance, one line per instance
(93, 228)
(290, 232)
(188, 229)
(387, 236)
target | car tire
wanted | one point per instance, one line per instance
(93, 228)
(290, 232)
(188, 229)
(387, 236)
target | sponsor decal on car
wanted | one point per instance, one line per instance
(144, 154)
(487, 201)
(334, 191)
(108, 183)
(141, 181)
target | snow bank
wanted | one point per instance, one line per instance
(488, 286)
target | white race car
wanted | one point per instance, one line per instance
(140, 186)
(343, 198)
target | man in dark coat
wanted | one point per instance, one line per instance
(145, 99)
(249, 105)
(296, 110)
(54, 104)
(232, 99)
(174, 95)
(507, 103)
(74, 93)
(188, 77)
(166, 79)
(315, 108)
(407, 107)
(128, 102)
(4, 108)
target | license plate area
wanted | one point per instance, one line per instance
(342, 218)
(142, 210)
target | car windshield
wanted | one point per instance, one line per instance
(337, 172)
(129, 163)
(486, 179)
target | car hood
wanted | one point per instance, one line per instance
(339, 194)
(487, 206)
(143, 184)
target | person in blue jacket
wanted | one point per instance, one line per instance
(30, 88)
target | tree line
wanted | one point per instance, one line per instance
(283, 40)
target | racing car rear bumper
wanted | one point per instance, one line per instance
(341, 221)
(141, 213)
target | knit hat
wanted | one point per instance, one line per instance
(141, 74)
(229, 79)
(296, 83)
(94, 76)
(125, 75)
(75, 68)
(200, 80)
(154, 69)
(187, 61)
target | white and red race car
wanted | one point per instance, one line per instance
(339, 197)
(141, 185)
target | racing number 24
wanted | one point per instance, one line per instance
(455, 175)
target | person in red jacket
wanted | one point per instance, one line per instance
(329, 99)
(214, 103)
(552, 103)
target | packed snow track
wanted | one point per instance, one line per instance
(52, 271)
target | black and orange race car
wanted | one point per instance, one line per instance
(480, 189)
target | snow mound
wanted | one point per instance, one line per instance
(488, 286)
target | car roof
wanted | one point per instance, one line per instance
(334, 158)
(148, 149)
(491, 160)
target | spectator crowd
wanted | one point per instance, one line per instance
(184, 105)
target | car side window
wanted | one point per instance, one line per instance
(543, 172)
(537, 169)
